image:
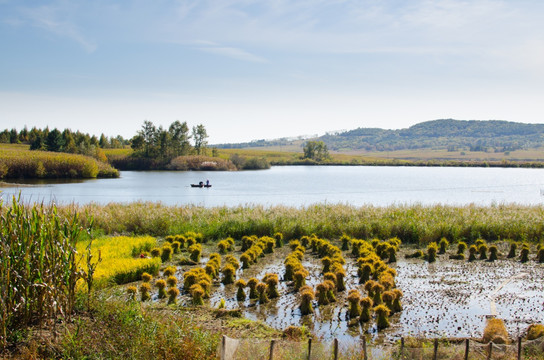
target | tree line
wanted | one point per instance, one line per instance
(150, 142)
(67, 141)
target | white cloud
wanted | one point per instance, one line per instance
(234, 53)
(52, 19)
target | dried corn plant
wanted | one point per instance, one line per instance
(38, 265)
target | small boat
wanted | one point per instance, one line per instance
(201, 185)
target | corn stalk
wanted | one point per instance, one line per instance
(38, 265)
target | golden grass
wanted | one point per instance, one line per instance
(120, 261)
(17, 161)
(118, 152)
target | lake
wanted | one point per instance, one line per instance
(301, 186)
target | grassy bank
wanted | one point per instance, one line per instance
(412, 224)
(117, 329)
(16, 161)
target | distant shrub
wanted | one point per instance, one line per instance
(256, 164)
(199, 162)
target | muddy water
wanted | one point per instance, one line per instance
(448, 298)
(453, 298)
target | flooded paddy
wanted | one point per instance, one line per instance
(449, 298)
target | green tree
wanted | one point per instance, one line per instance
(179, 138)
(33, 134)
(4, 136)
(53, 141)
(94, 140)
(316, 150)
(163, 142)
(149, 133)
(37, 143)
(23, 135)
(103, 142)
(13, 136)
(199, 136)
(137, 143)
(69, 144)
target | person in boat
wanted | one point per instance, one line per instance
(207, 182)
(201, 184)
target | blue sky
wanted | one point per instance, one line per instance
(265, 69)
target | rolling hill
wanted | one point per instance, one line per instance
(450, 134)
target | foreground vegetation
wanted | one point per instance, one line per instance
(415, 224)
(45, 252)
(39, 267)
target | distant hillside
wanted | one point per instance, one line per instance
(454, 135)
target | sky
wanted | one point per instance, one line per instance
(258, 69)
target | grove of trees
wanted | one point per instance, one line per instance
(150, 142)
(165, 144)
(66, 141)
(316, 150)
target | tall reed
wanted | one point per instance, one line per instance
(415, 224)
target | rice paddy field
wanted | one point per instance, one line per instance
(445, 299)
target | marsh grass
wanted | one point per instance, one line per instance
(415, 224)
(199, 162)
(23, 163)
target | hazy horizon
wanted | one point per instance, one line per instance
(250, 69)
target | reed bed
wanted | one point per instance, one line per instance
(121, 262)
(38, 265)
(415, 224)
(22, 163)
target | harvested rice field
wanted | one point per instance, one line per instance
(447, 298)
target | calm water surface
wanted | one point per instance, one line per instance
(301, 186)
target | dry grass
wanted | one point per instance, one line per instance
(16, 161)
